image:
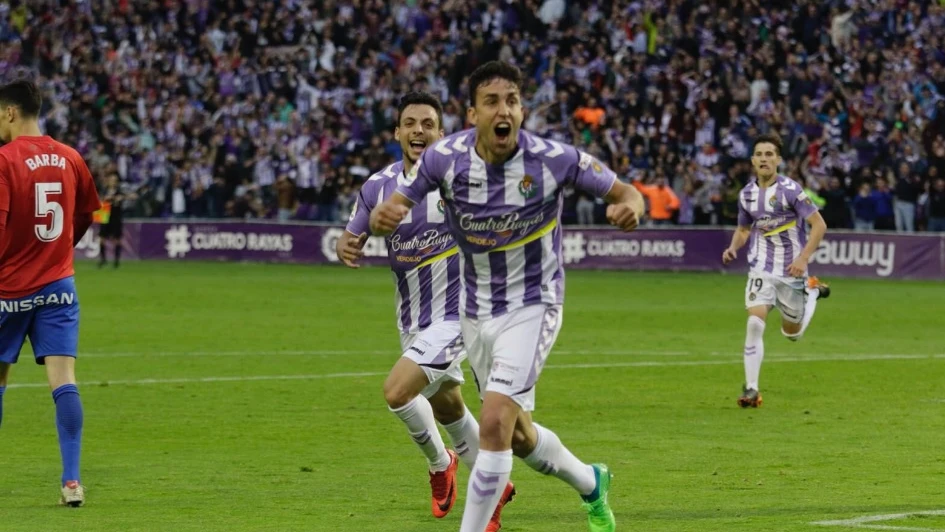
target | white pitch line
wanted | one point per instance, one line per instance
(891, 527)
(864, 522)
(233, 378)
(394, 353)
(641, 364)
(349, 352)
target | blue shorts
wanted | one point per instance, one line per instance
(49, 317)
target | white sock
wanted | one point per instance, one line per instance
(464, 434)
(551, 457)
(754, 351)
(486, 484)
(418, 416)
(809, 308)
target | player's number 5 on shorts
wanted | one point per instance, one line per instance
(51, 230)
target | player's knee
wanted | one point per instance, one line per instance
(493, 430)
(791, 329)
(397, 393)
(756, 328)
(792, 333)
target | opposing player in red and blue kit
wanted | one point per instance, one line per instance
(47, 197)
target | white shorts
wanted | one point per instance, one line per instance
(507, 353)
(788, 294)
(438, 350)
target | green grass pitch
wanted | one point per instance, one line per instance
(240, 397)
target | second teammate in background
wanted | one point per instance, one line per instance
(772, 211)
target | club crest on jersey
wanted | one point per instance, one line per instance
(772, 201)
(440, 206)
(526, 187)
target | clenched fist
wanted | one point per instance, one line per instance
(623, 216)
(386, 217)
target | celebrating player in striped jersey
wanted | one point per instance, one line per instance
(424, 384)
(772, 210)
(503, 193)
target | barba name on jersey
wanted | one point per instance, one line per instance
(45, 159)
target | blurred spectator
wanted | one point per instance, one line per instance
(211, 108)
(662, 203)
(836, 209)
(907, 187)
(864, 209)
(883, 203)
(937, 206)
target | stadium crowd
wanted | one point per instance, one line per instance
(242, 108)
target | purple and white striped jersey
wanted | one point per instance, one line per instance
(422, 253)
(777, 216)
(506, 218)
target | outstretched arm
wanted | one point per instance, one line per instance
(626, 205)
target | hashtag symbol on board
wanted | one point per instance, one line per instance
(573, 247)
(178, 241)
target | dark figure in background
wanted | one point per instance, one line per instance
(837, 210)
(111, 231)
(883, 197)
(937, 206)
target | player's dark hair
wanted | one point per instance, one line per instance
(421, 98)
(770, 138)
(491, 71)
(24, 94)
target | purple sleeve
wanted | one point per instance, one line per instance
(803, 206)
(360, 219)
(744, 217)
(591, 175)
(422, 179)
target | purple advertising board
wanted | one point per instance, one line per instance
(842, 254)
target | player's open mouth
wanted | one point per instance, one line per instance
(417, 146)
(502, 131)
